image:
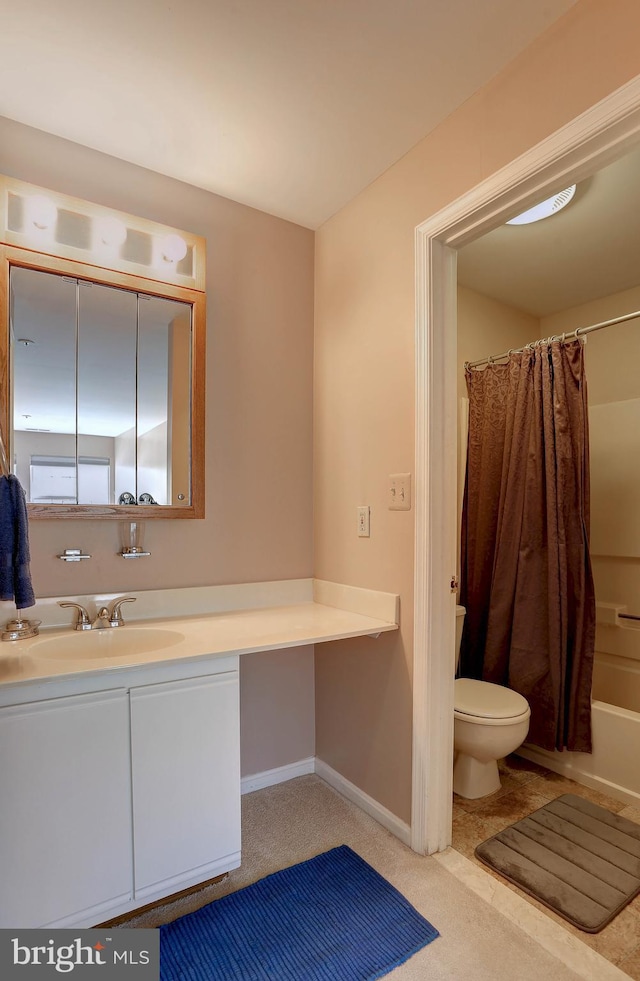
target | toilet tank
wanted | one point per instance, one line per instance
(460, 612)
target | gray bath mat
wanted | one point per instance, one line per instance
(577, 858)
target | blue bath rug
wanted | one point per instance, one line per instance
(331, 918)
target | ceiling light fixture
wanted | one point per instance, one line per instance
(550, 206)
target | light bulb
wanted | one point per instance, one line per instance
(173, 248)
(41, 211)
(111, 231)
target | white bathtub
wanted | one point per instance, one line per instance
(614, 765)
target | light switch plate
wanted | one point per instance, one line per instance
(400, 492)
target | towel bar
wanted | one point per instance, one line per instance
(73, 555)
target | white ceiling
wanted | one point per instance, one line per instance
(290, 106)
(586, 251)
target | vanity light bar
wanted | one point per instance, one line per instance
(55, 224)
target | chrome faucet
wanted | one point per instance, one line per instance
(104, 618)
(115, 616)
(83, 620)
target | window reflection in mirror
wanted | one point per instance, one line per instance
(101, 392)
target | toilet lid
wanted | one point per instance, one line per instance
(486, 700)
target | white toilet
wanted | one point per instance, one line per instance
(490, 721)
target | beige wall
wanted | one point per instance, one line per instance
(258, 522)
(610, 354)
(364, 365)
(276, 708)
(488, 327)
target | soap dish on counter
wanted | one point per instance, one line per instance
(20, 629)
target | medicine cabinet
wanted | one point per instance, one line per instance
(102, 379)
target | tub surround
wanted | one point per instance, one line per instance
(210, 621)
(612, 768)
(615, 717)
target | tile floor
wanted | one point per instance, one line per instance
(525, 787)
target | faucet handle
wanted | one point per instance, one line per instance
(83, 621)
(115, 619)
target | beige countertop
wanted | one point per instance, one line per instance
(59, 652)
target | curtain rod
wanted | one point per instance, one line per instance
(555, 337)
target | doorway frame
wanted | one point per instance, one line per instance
(593, 139)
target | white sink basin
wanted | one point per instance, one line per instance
(104, 643)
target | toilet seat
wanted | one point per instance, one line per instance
(486, 704)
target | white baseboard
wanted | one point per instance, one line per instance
(279, 774)
(367, 804)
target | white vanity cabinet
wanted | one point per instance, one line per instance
(117, 794)
(186, 781)
(65, 809)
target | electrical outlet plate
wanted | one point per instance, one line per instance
(400, 492)
(363, 522)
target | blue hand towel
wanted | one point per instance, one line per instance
(15, 575)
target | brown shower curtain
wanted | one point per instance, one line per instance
(526, 575)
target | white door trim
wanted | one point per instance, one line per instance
(589, 142)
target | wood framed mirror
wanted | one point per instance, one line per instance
(102, 368)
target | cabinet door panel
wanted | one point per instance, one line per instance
(186, 781)
(65, 818)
